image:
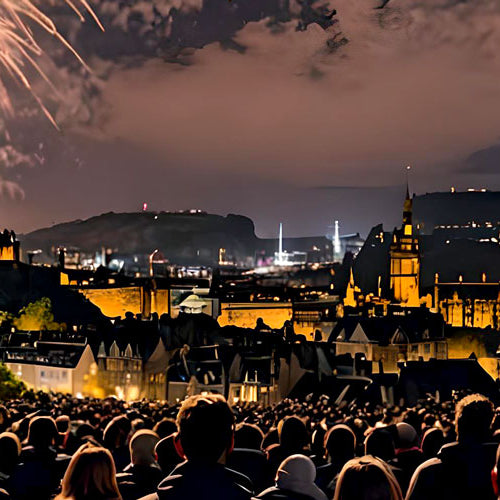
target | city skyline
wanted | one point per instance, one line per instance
(264, 119)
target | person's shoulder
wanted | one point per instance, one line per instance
(240, 479)
(324, 468)
(274, 493)
(449, 447)
(426, 480)
(177, 486)
(430, 464)
(248, 452)
(124, 477)
(267, 494)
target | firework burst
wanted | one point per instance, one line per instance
(20, 50)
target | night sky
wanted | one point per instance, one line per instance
(196, 108)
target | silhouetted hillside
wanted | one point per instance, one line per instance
(182, 237)
(455, 209)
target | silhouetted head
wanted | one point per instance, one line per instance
(4, 417)
(62, 423)
(116, 432)
(407, 436)
(165, 427)
(318, 441)
(432, 442)
(205, 428)
(166, 454)
(142, 447)
(296, 474)
(340, 443)
(10, 449)
(293, 433)
(42, 432)
(473, 417)
(248, 436)
(380, 444)
(367, 478)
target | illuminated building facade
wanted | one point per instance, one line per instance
(9, 246)
(445, 258)
(52, 366)
(399, 334)
(405, 260)
(120, 372)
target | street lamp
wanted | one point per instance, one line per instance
(151, 258)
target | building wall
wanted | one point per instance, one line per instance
(57, 379)
(392, 354)
(46, 378)
(160, 301)
(354, 348)
(7, 253)
(84, 370)
(121, 377)
(246, 315)
(115, 301)
(476, 313)
(404, 279)
(307, 328)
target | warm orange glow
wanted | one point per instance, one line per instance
(245, 315)
(7, 253)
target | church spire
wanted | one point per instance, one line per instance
(408, 205)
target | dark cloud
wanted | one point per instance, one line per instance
(484, 161)
(359, 188)
(271, 110)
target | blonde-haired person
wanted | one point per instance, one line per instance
(91, 475)
(367, 478)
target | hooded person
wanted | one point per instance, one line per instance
(295, 481)
(408, 453)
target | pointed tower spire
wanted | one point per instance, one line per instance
(114, 351)
(350, 298)
(102, 350)
(408, 205)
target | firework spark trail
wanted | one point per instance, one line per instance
(19, 48)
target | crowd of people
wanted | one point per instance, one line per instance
(55, 446)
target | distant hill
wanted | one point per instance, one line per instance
(458, 208)
(184, 238)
